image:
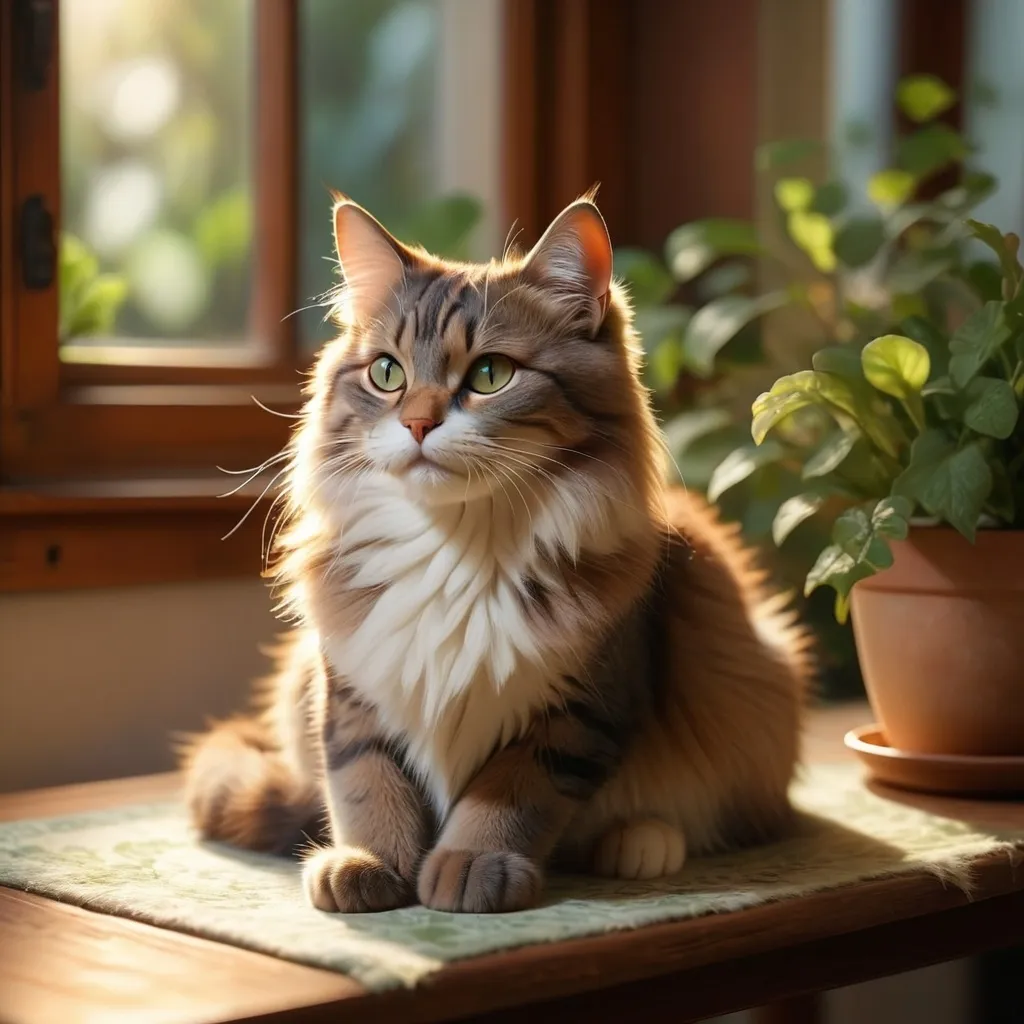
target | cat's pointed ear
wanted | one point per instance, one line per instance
(373, 263)
(574, 258)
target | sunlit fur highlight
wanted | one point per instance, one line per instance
(512, 643)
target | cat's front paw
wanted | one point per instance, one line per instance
(479, 883)
(353, 881)
(643, 849)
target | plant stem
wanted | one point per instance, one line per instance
(1007, 365)
(915, 411)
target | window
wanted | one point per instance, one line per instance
(166, 243)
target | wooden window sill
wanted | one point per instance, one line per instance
(83, 534)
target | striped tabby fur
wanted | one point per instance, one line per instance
(512, 644)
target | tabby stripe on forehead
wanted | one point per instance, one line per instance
(437, 291)
(400, 330)
(458, 305)
(470, 328)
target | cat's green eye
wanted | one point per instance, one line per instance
(489, 374)
(387, 374)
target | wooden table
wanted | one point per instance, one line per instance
(62, 964)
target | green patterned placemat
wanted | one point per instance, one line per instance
(143, 863)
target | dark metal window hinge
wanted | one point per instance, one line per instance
(35, 20)
(38, 244)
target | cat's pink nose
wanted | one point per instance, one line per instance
(419, 428)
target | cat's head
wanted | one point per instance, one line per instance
(465, 380)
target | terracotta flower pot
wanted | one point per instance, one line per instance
(940, 637)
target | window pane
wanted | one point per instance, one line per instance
(400, 111)
(156, 132)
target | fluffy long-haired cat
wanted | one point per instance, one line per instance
(513, 645)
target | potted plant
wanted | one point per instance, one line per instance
(730, 306)
(928, 456)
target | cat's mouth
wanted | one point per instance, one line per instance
(424, 465)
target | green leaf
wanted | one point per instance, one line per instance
(813, 233)
(891, 188)
(890, 517)
(928, 334)
(89, 300)
(840, 571)
(773, 155)
(842, 360)
(938, 386)
(698, 457)
(860, 547)
(947, 481)
(986, 279)
(792, 512)
(904, 306)
(717, 323)
(665, 364)
(78, 266)
(649, 282)
(913, 270)
(858, 241)
(807, 387)
(740, 464)
(223, 229)
(854, 532)
(830, 198)
(930, 149)
(686, 427)
(656, 324)
(831, 454)
(896, 365)
(770, 409)
(98, 306)
(1003, 246)
(992, 407)
(924, 97)
(978, 339)
(692, 248)
(794, 193)
(727, 277)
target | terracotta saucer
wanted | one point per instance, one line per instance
(935, 773)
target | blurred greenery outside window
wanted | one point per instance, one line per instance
(158, 122)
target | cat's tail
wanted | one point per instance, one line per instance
(240, 790)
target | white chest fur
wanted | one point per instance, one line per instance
(446, 651)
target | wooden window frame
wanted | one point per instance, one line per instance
(90, 455)
(582, 104)
(65, 420)
(106, 471)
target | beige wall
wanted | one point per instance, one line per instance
(93, 682)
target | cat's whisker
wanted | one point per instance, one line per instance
(276, 412)
(249, 510)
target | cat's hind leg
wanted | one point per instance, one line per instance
(644, 848)
(240, 790)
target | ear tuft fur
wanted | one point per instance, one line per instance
(574, 258)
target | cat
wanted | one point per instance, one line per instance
(514, 647)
